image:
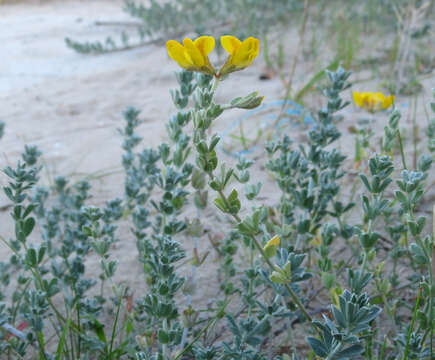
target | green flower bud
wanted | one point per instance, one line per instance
(250, 101)
(328, 280)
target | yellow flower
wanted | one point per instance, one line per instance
(271, 246)
(242, 54)
(371, 101)
(193, 55)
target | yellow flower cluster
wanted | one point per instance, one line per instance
(192, 55)
(372, 101)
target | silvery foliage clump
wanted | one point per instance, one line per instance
(154, 21)
(157, 20)
(320, 169)
(72, 231)
(340, 338)
(41, 272)
(47, 291)
(309, 178)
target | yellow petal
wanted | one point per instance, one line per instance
(379, 96)
(274, 241)
(246, 53)
(357, 98)
(230, 43)
(177, 53)
(205, 44)
(193, 53)
(388, 102)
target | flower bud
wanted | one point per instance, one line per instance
(189, 286)
(189, 317)
(328, 280)
(250, 101)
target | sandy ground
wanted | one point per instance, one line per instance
(70, 105)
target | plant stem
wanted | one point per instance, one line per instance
(401, 150)
(210, 323)
(384, 345)
(333, 352)
(266, 259)
(164, 346)
(364, 263)
(251, 281)
(40, 339)
(417, 304)
(415, 133)
(115, 323)
(389, 310)
(254, 239)
(432, 284)
(215, 84)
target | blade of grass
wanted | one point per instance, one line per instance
(432, 280)
(41, 342)
(112, 338)
(384, 346)
(411, 327)
(218, 316)
(316, 78)
(415, 132)
(62, 339)
(402, 153)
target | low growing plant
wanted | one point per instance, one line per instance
(296, 276)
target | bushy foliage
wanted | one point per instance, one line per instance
(277, 264)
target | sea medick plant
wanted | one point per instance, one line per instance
(54, 266)
(283, 274)
(157, 237)
(317, 155)
(275, 260)
(30, 305)
(309, 179)
(402, 227)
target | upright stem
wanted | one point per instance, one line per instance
(266, 258)
(193, 275)
(364, 263)
(401, 150)
(417, 304)
(251, 281)
(215, 84)
(254, 239)
(164, 346)
(432, 284)
(187, 348)
(415, 133)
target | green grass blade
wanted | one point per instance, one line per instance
(62, 339)
(317, 77)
